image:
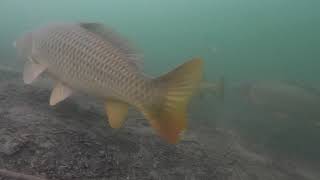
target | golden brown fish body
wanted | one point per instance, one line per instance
(91, 58)
(85, 61)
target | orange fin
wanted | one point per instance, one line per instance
(117, 112)
(168, 114)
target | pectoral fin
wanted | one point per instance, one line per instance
(32, 70)
(117, 112)
(59, 93)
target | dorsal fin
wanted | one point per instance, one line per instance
(111, 36)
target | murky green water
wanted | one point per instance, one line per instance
(238, 39)
(241, 40)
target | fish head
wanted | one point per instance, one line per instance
(23, 45)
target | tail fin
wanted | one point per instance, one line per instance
(168, 114)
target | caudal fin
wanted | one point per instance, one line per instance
(168, 114)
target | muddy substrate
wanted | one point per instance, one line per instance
(74, 141)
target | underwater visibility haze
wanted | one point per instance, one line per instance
(256, 64)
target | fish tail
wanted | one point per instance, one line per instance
(167, 114)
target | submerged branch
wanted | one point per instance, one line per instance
(20, 176)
